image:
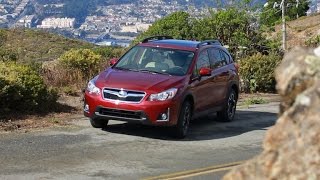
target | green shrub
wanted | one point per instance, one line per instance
(257, 71)
(83, 60)
(255, 100)
(23, 90)
(313, 41)
(108, 53)
(7, 55)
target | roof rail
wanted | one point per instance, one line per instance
(156, 38)
(209, 42)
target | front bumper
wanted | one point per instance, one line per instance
(146, 112)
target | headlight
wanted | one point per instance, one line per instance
(165, 95)
(92, 88)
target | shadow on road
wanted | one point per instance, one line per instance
(205, 128)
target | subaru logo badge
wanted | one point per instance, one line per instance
(123, 93)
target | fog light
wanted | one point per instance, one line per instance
(86, 108)
(163, 116)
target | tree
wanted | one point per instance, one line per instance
(177, 25)
(271, 14)
(233, 27)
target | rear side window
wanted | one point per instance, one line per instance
(225, 57)
(218, 58)
(215, 57)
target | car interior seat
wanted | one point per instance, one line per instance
(158, 62)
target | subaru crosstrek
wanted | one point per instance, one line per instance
(165, 82)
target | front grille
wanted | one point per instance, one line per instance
(123, 95)
(121, 113)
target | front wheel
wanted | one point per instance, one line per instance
(228, 112)
(181, 129)
(98, 123)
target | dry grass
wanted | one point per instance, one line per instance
(67, 81)
(70, 81)
(38, 46)
(300, 30)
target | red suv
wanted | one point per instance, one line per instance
(165, 82)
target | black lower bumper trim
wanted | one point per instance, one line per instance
(121, 115)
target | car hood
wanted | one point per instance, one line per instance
(141, 81)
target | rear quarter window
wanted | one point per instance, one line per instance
(225, 56)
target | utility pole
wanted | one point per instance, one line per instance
(284, 31)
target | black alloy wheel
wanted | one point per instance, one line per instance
(229, 111)
(181, 129)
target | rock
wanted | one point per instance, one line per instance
(292, 146)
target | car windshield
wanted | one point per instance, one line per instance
(156, 60)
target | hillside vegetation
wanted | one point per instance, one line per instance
(301, 31)
(35, 45)
(37, 67)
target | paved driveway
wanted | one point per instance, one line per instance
(131, 151)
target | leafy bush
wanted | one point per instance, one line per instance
(74, 68)
(7, 55)
(257, 71)
(84, 60)
(109, 52)
(313, 41)
(3, 36)
(255, 100)
(23, 90)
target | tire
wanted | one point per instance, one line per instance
(228, 112)
(98, 123)
(181, 129)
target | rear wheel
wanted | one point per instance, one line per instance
(228, 112)
(99, 123)
(181, 129)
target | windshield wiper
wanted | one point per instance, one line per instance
(125, 69)
(151, 71)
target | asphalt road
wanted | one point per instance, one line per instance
(131, 151)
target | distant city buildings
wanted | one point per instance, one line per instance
(57, 23)
(26, 21)
(135, 27)
(109, 24)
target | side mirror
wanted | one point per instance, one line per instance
(113, 61)
(205, 71)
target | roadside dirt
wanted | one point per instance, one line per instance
(35, 122)
(26, 123)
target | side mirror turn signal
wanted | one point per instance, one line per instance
(113, 61)
(205, 71)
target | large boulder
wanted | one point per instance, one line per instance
(292, 146)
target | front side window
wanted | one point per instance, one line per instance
(156, 60)
(203, 60)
